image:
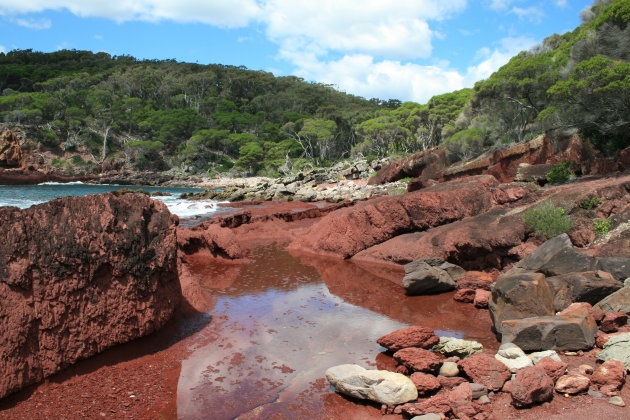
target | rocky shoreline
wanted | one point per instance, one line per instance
(455, 228)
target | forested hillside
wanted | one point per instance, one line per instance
(96, 112)
(576, 81)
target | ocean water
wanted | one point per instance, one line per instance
(24, 196)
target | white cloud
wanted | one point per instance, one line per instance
(561, 3)
(492, 60)
(361, 75)
(234, 13)
(533, 14)
(3, 49)
(357, 26)
(98, 37)
(37, 24)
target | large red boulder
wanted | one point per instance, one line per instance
(79, 275)
(486, 370)
(348, 231)
(415, 336)
(531, 386)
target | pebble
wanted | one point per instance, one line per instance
(430, 416)
(449, 369)
(484, 400)
(617, 401)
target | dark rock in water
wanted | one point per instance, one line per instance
(556, 257)
(570, 330)
(486, 370)
(617, 302)
(409, 337)
(124, 191)
(531, 386)
(79, 275)
(519, 296)
(422, 278)
(591, 287)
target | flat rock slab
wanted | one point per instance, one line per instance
(550, 333)
(617, 348)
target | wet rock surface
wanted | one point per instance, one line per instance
(79, 275)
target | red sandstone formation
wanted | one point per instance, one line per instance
(502, 164)
(419, 360)
(348, 231)
(79, 275)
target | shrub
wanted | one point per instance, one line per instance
(548, 220)
(590, 203)
(602, 227)
(562, 172)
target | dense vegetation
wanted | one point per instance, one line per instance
(579, 80)
(95, 111)
(113, 111)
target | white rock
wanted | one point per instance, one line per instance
(376, 385)
(539, 355)
(451, 346)
(513, 357)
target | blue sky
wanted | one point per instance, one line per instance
(404, 49)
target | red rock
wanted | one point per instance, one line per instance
(461, 401)
(482, 298)
(613, 321)
(79, 275)
(10, 150)
(417, 359)
(402, 369)
(464, 295)
(610, 376)
(213, 239)
(552, 368)
(450, 382)
(436, 404)
(476, 280)
(485, 370)
(409, 337)
(425, 382)
(572, 384)
(531, 386)
(348, 231)
(598, 315)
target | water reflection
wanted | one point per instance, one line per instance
(277, 327)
